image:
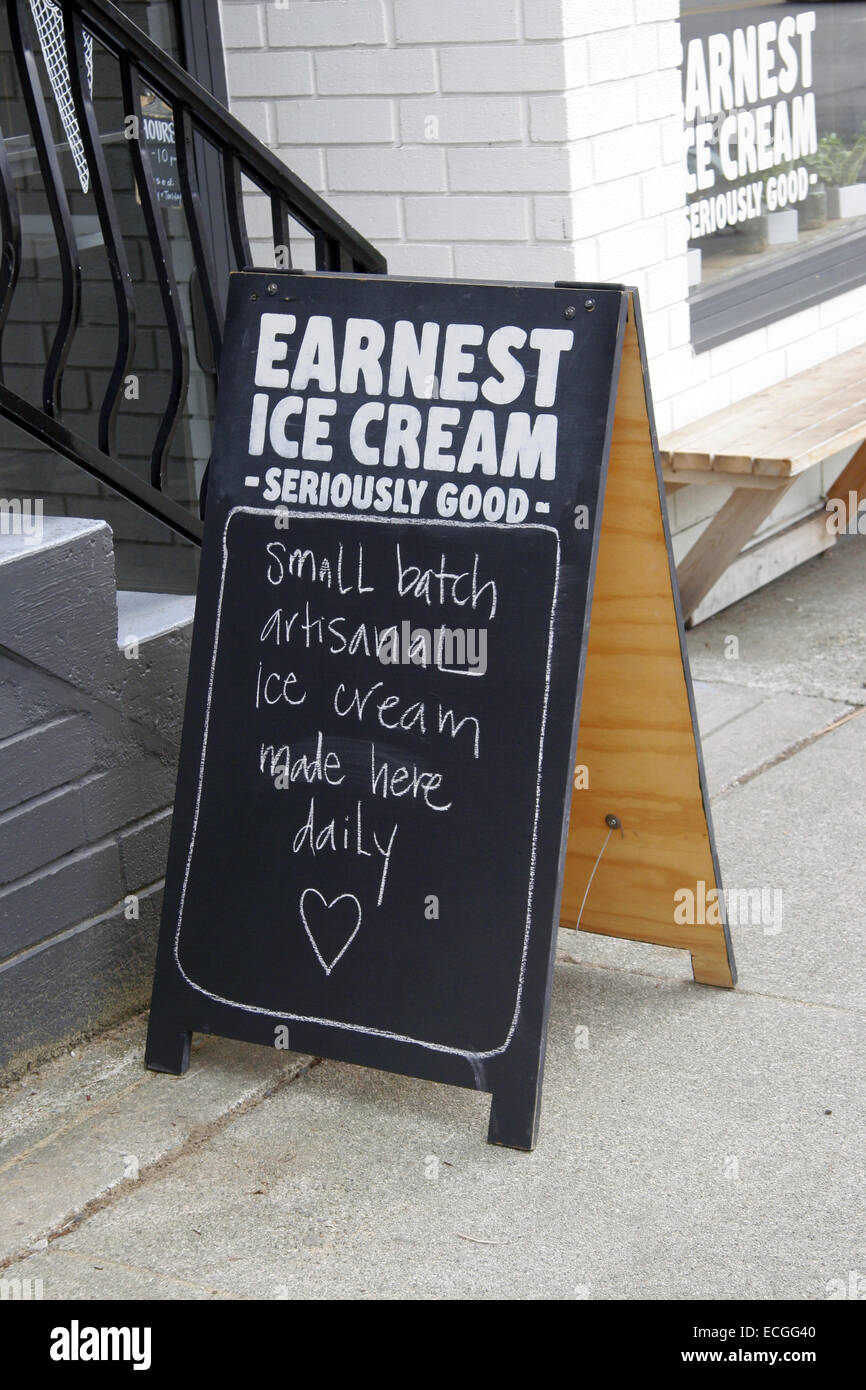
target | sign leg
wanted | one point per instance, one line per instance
(168, 1043)
(513, 1120)
(515, 1106)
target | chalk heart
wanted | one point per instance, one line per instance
(331, 926)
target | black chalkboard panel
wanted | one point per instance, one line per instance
(402, 516)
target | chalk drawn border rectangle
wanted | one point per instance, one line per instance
(336, 1023)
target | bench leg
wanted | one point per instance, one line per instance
(851, 479)
(732, 526)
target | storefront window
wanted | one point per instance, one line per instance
(775, 136)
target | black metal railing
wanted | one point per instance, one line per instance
(203, 131)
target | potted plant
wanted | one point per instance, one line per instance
(838, 166)
(752, 236)
(782, 218)
(813, 209)
(783, 226)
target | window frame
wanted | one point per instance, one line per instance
(725, 311)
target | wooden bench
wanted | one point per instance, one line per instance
(760, 446)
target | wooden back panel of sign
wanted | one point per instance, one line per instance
(637, 739)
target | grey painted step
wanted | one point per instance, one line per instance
(39, 832)
(87, 978)
(73, 889)
(18, 711)
(91, 701)
(153, 634)
(58, 603)
(42, 758)
(145, 616)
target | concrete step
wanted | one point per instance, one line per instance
(93, 1122)
(43, 757)
(92, 685)
(58, 606)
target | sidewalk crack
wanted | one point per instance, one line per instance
(789, 751)
(198, 1135)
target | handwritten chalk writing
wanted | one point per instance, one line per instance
(422, 584)
(366, 639)
(316, 928)
(448, 721)
(302, 564)
(315, 769)
(278, 628)
(403, 779)
(319, 837)
(359, 641)
(413, 716)
(269, 693)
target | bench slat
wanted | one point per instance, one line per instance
(780, 431)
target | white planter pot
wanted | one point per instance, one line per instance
(782, 227)
(849, 201)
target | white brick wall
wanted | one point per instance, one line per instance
(446, 131)
(514, 139)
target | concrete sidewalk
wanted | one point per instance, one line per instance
(695, 1143)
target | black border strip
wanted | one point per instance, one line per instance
(758, 298)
